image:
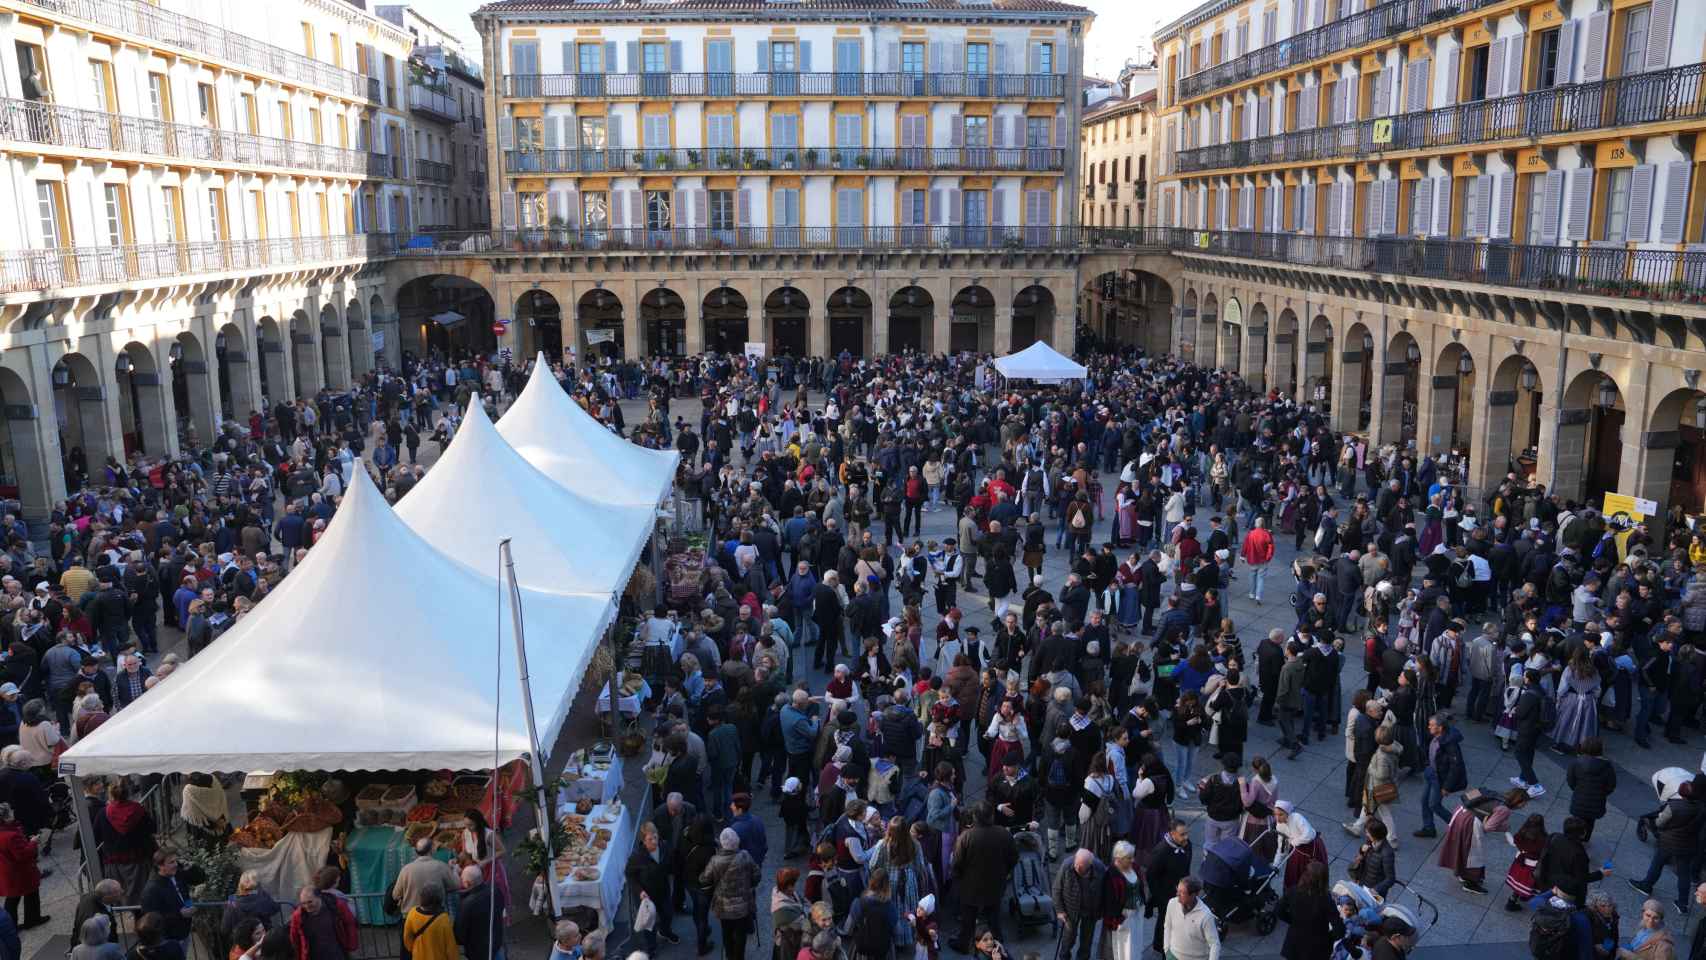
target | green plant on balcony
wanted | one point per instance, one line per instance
(864, 161)
(761, 164)
(835, 158)
(726, 160)
(637, 159)
(748, 158)
(788, 160)
(1011, 241)
(811, 158)
(664, 160)
(693, 158)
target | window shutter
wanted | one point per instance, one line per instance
(1551, 205)
(1503, 204)
(1564, 64)
(956, 58)
(952, 202)
(613, 131)
(1332, 210)
(1515, 48)
(1495, 69)
(572, 208)
(1060, 128)
(1659, 26)
(1451, 77)
(1307, 194)
(1350, 99)
(956, 130)
(636, 208)
(938, 58)
(1000, 64)
(701, 209)
(1421, 215)
(506, 134)
(1264, 125)
(550, 124)
(1581, 199)
(743, 208)
(1382, 96)
(805, 56)
(1674, 216)
(571, 63)
(1389, 217)
(509, 209)
(675, 56)
(1417, 82)
(763, 56)
(936, 207)
(1442, 206)
(891, 52)
(1483, 205)
(997, 200)
(1593, 48)
(634, 61)
(609, 63)
(1348, 200)
(1641, 202)
(682, 205)
(618, 209)
(1320, 13)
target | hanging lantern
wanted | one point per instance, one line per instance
(1530, 377)
(1465, 365)
(1607, 394)
(1034, 296)
(1700, 413)
(1367, 344)
(912, 296)
(123, 365)
(1414, 353)
(61, 375)
(219, 343)
(176, 352)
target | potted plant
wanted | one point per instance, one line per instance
(761, 164)
(835, 158)
(664, 161)
(788, 160)
(748, 157)
(725, 160)
(693, 158)
(810, 157)
(637, 159)
(864, 161)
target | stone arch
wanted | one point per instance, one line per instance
(725, 317)
(381, 322)
(1188, 326)
(334, 356)
(1232, 335)
(1285, 354)
(849, 310)
(663, 323)
(540, 319)
(1208, 331)
(1317, 361)
(1153, 317)
(787, 322)
(971, 321)
(143, 414)
(1673, 451)
(193, 401)
(1033, 317)
(306, 369)
(80, 414)
(1451, 400)
(599, 326)
(912, 320)
(1513, 421)
(1353, 403)
(451, 314)
(232, 357)
(358, 333)
(24, 471)
(1256, 347)
(1588, 454)
(1400, 390)
(275, 370)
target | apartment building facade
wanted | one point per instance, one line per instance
(1466, 225)
(447, 104)
(787, 173)
(194, 214)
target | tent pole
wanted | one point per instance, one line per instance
(536, 754)
(85, 832)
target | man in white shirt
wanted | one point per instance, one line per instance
(1190, 930)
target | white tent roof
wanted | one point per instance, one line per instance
(481, 490)
(376, 653)
(552, 432)
(1039, 361)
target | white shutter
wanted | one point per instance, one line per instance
(1348, 200)
(1382, 94)
(1442, 206)
(1564, 63)
(1351, 86)
(1389, 218)
(1659, 26)
(1551, 206)
(1421, 212)
(1593, 47)
(1581, 200)
(1451, 77)
(1515, 48)
(1483, 206)
(1332, 210)
(1503, 200)
(1641, 202)
(1417, 84)
(1674, 214)
(1264, 117)
(1495, 69)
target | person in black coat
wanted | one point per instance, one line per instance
(1564, 864)
(826, 616)
(478, 918)
(983, 859)
(1313, 924)
(1169, 862)
(1592, 780)
(1270, 657)
(1526, 718)
(648, 872)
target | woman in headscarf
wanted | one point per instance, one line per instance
(1298, 836)
(1463, 851)
(732, 879)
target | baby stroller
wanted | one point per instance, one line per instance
(1369, 911)
(1668, 784)
(1028, 896)
(1238, 886)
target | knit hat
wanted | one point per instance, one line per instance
(792, 785)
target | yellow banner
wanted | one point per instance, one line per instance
(1635, 508)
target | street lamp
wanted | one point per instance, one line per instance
(1607, 394)
(1414, 353)
(1529, 378)
(1367, 344)
(1700, 413)
(1465, 365)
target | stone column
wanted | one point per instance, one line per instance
(629, 293)
(1002, 342)
(1392, 401)
(1441, 406)
(1491, 450)
(1255, 357)
(37, 457)
(1569, 448)
(693, 319)
(1281, 365)
(201, 381)
(1347, 389)
(817, 326)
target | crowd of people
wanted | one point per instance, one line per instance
(974, 741)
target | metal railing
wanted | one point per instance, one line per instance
(50, 269)
(1678, 93)
(207, 939)
(1385, 20)
(436, 103)
(845, 159)
(432, 171)
(29, 121)
(569, 240)
(605, 86)
(163, 26)
(385, 165)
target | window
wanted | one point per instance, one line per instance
(116, 214)
(657, 210)
(977, 58)
(976, 208)
(1636, 23)
(284, 124)
(1045, 58)
(722, 209)
(101, 75)
(654, 130)
(160, 97)
(1547, 67)
(654, 58)
(1036, 132)
(251, 114)
(784, 130)
(1536, 231)
(48, 211)
(591, 57)
(913, 206)
(912, 58)
(1478, 73)
(532, 210)
(172, 214)
(308, 39)
(1617, 205)
(207, 105)
(720, 130)
(977, 131)
(786, 212)
(595, 207)
(849, 129)
(215, 214)
(593, 133)
(783, 57)
(32, 70)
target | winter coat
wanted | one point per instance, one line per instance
(19, 874)
(1383, 767)
(732, 880)
(1079, 895)
(1313, 925)
(1592, 781)
(1447, 760)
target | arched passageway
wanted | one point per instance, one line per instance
(1400, 390)
(912, 321)
(1451, 401)
(787, 312)
(23, 474)
(358, 334)
(142, 401)
(724, 315)
(1208, 331)
(1256, 350)
(599, 325)
(539, 317)
(1353, 405)
(80, 410)
(1513, 422)
(1033, 317)
(448, 315)
(305, 368)
(334, 355)
(850, 322)
(1588, 453)
(971, 321)
(1285, 354)
(232, 356)
(1317, 362)
(192, 390)
(1673, 471)
(663, 323)
(1188, 332)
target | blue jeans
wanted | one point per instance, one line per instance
(1653, 702)
(1431, 802)
(1681, 863)
(1258, 580)
(1477, 705)
(1184, 759)
(1314, 716)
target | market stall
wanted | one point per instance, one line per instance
(593, 774)
(592, 869)
(1041, 363)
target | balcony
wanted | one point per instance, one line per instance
(50, 269)
(609, 86)
(701, 239)
(28, 121)
(1385, 20)
(748, 159)
(1662, 95)
(431, 171)
(1112, 190)
(434, 104)
(373, 90)
(384, 165)
(143, 19)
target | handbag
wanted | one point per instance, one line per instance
(1384, 793)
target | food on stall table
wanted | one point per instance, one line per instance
(415, 832)
(422, 812)
(322, 809)
(586, 873)
(469, 792)
(261, 833)
(372, 795)
(600, 839)
(448, 838)
(437, 789)
(584, 806)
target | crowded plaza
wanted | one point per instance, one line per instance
(932, 656)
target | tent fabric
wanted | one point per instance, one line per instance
(376, 653)
(481, 490)
(1040, 362)
(551, 432)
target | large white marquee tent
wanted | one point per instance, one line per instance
(1039, 362)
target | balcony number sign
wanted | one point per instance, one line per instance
(1383, 130)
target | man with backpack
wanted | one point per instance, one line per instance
(1561, 930)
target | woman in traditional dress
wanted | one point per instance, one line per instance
(1126, 581)
(1578, 704)
(1125, 500)
(1463, 852)
(1153, 791)
(1530, 843)
(1010, 734)
(1260, 791)
(1299, 838)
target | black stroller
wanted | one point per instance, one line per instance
(1238, 886)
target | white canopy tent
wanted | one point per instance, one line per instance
(551, 431)
(482, 490)
(376, 653)
(1039, 362)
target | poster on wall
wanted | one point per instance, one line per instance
(378, 341)
(755, 350)
(600, 336)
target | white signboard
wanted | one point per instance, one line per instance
(600, 336)
(755, 350)
(378, 340)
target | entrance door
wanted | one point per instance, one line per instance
(1024, 330)
(847, 335)
(962, 336)
(905, 333)
(789, 336)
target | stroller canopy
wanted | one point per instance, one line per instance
(1231, 863)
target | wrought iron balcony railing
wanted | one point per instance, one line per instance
(28, 121)
(144, 19)
(606, 86)
(432, 171)
(52, 269)
(842, 159)
(437, 104)
(1678, 93)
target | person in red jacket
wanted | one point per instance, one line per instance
(323, 926)
(1258, 552)
(20, 878)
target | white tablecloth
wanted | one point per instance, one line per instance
(599, 788)
(627, 705)
(605, 893)
(290, 864)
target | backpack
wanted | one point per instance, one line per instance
(1549, 934)
(1058, 775)
(1078, 521)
